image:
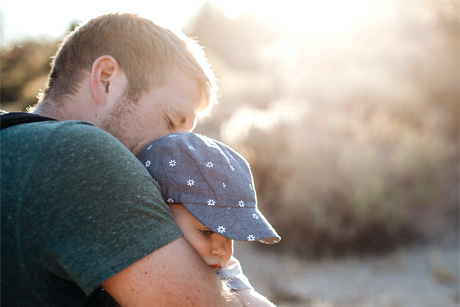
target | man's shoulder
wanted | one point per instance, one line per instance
(69, 126)
(71, 131)
(79, 129)
(86, 141)
(59, 141)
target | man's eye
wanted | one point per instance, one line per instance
(207, 232)
(171, 123)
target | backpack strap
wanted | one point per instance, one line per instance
(16, 118)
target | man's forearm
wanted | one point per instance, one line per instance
(174, 275)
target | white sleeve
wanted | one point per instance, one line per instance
(232, 273)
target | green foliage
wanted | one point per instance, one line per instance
(24, 70)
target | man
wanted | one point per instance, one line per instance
(78, 209)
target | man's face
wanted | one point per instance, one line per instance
(215, 250)
(172, 107)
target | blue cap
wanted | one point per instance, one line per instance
(212, 181)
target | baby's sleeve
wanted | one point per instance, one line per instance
(233, 275)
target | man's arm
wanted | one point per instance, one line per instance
(173, 275)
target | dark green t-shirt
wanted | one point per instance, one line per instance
(76, 208)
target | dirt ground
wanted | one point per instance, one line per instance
(417, 276)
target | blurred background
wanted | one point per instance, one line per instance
(348, 112)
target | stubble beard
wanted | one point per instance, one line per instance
(119, 120)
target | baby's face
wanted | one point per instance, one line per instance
(213, 248)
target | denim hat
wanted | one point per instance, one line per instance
(212, 181)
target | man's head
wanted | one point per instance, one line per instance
(145, 52)
(130, 77)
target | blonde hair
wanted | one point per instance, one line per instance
(145, 52)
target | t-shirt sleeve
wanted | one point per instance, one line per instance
(95, 208)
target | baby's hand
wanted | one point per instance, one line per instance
(250, 297)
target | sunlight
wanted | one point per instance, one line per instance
(39, 19)
(302, 18)
(246, 118)
(308, 18)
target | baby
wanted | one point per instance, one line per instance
(210, 190)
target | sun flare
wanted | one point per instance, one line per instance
(308, 18)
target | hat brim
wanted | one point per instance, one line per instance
(243, 224)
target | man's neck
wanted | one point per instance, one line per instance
(48, 109)
(44, 109)
(63, 111)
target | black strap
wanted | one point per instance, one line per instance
(16, 118)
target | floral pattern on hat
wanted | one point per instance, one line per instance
(212, 181)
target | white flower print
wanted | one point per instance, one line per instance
(250, 186)
(255, 216)
(147, 163)
(231, 166)
(209, 164)
(241, 203)
(190, 182)
(170, 200)
(172, 163)
(223, 185)
(211, 202)
(221, 229)
(191, 147)
(251, 238)
(148, 148)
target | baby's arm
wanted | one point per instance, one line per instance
(239, 283)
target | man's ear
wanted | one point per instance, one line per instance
(105, 69)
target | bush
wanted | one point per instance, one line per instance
(336, 182)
